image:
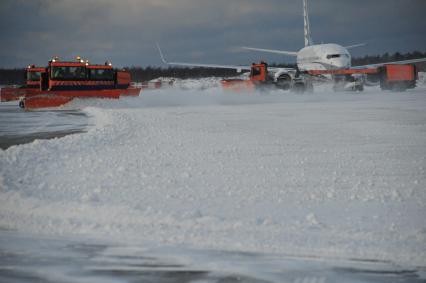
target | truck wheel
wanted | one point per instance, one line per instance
(284, 82)
(399, 87)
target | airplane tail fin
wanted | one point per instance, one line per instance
(307, 26)
(161, 54)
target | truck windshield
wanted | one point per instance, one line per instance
(255, 71)
(101, 74)
(33, 76)
(68, 73)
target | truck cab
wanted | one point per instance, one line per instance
(259, 72)
(80, 75)
(33, 75)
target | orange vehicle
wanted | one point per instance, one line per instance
(258, 77)
(391, 76)
(32, 85)
(61, 82)
(33, 76)
(398, 77)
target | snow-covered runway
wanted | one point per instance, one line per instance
(326, 175)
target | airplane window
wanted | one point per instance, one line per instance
(333, 56)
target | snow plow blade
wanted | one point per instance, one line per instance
(43, 101)
(238, 85)
(14, 93)
(132, 91)
(60, 98)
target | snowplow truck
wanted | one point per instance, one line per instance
(32, 84)
(398, 77)
(261, 78)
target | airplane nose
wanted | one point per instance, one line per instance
(343, 63)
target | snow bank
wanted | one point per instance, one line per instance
(327, 175)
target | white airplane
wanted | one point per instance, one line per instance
(323, 56)
(312, 57)
(316, 57)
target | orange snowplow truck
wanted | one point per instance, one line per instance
(65, 80)
(33, 76)
(259, 72)
(391, 77)
(258, 77)
(32, 84)
(398, 77)
(62, 81)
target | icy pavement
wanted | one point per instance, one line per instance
(45, 259)
(326, 175)
(18, 126)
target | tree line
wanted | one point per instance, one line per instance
(142, 74)
(397, 56)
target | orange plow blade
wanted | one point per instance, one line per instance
(237, 85)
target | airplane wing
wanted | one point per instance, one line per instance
(411, 61)
(290, 53)
(234, 67)
(355, 45)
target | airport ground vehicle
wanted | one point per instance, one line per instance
(262, 77)
(316, 62)
(32, 84)
(62, 81)
(391, 77)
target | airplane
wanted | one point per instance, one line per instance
(316, 57)
(312, 57)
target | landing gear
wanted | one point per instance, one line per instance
(359, 87)
(284, 82)
(302, 87)
(302, 84)
(309, 86)
(348, 83)
(298, 87)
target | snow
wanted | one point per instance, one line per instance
(331, 175)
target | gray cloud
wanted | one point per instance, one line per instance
(125, 31)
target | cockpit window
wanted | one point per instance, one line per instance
(337, 56)
(333, 56)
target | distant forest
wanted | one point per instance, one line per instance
(143, 74)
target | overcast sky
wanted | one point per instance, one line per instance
(203, 31)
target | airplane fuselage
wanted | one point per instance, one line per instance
(323, 57)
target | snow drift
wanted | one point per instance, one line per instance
(325, 175)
